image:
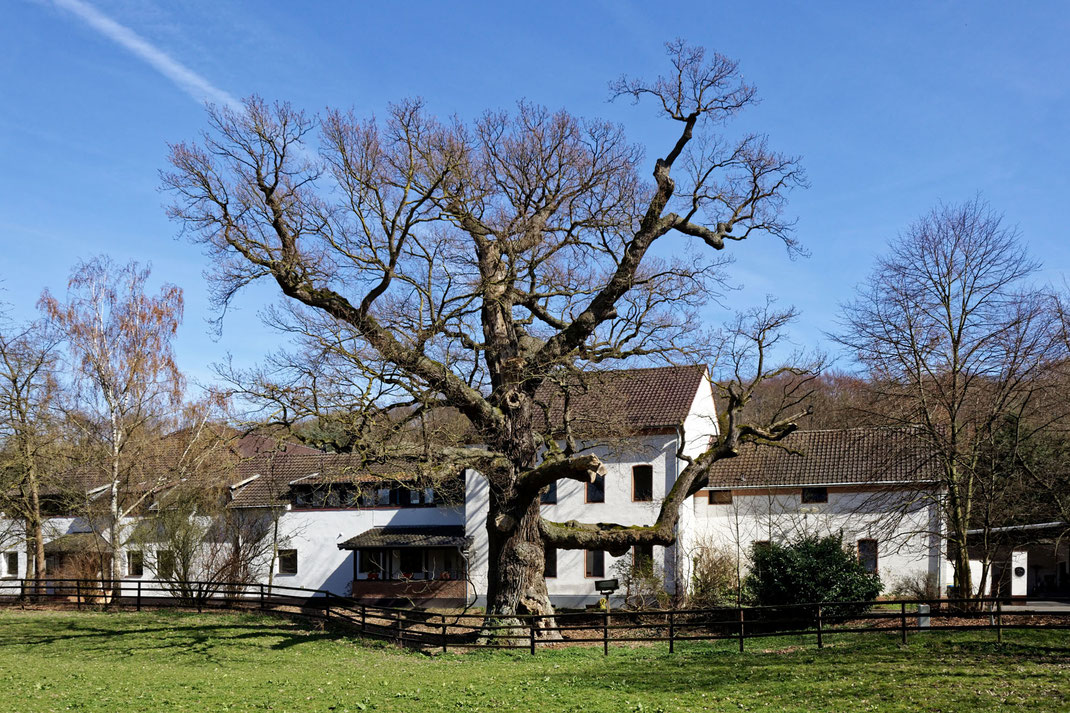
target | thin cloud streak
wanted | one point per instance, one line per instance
(187, 80)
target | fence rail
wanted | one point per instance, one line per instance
(464, 630)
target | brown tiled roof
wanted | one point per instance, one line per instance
(252, 444)
(269, 475)
(854, 455)
(163, 456)
(638, 399)
(437, 536)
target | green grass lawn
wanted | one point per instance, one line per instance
(214, 662)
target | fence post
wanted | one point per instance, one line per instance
(78, 592)
(903, 621)
(401, 627)
(327, 606)
(605, 633)
(139, 595)
(741, 633)
(672, 630)
(820, 641)
(531, 632)
(199, 594)
(363, 619)
(999, 621)
(261, 596)
(445, 641)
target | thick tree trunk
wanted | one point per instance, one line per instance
(516, 564)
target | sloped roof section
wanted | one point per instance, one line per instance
(77, 542)
(843, 456)
(253, 444)
(637, 399)
(264, 481)
(407, 537)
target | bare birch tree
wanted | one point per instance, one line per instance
(453, 264)
(126, 381)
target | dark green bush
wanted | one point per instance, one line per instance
(812, 569)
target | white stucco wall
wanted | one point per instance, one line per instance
(315, 535)
(906, 544)
(571, 586)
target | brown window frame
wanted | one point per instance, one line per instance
(713, 494)
(600, 482)
(649, 470)
(375, 560)
(588, 569)
(876, 554)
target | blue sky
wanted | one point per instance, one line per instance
(892, 107)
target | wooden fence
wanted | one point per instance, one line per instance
(463, 630)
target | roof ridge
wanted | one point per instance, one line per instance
(909, 427)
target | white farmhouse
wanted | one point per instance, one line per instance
(380, 533)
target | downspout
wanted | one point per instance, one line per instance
(677, 566)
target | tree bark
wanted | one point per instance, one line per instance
(515, 567)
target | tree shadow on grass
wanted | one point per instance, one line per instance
(123, 635)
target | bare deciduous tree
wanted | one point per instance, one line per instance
(955, 342)
(127, 382)
(29, 433)
(452, 264)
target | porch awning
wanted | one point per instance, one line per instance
(76, 542)
(408, 537)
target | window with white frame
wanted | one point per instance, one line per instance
(135, 563)
(11, 565)
(287, 561)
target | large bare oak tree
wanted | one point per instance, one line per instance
(464, 264)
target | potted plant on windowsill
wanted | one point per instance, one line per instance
(373, 575)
